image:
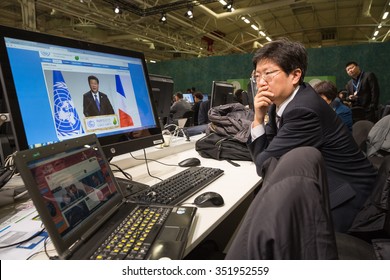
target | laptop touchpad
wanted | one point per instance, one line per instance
(172, 233)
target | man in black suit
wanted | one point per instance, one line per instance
(363, 90)
(96, 103)
(290, 114)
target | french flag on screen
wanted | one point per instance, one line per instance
(123, 104)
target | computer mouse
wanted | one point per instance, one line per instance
(209, 199)
(189, 162)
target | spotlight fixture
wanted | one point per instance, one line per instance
(117, 10)
(229, 6)
(163, 18)
(189, 13)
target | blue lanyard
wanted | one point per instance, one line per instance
(356, 86)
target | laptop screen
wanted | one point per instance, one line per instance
(71, 185)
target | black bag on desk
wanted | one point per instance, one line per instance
(222, 147)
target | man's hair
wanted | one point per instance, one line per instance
(93, 78)
(199, 95)
(326, 88)
(286, 54)
(351, 63)
(179, 95)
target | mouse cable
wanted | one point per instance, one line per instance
(126, 174)
(7, 171)
(44, 251)
(146, 163)
(150, 159)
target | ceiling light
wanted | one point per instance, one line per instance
(222, 2)
(385, 15)
(376, 33)
(254, 27)
(268, 39)
(116, 10)
(163, 18)
(189, 13)
(262, 33)
(244, 19)
(380, 26)
(229, 6)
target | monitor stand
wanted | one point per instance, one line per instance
(130, 187)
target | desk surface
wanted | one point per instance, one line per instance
(235, 185)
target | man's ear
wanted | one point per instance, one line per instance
(297, 74)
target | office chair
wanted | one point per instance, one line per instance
(358, 114)
(360, 131)
(386, 111)
(371, 225)
(189, 115)
(289, 217)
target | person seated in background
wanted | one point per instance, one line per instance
(290, 114)
(203, 114)
(328, 91)
(179, 107)
(198, 97)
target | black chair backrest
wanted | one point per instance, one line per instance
(189, 115)
(360, 131)
(373, 220)
(358, 114)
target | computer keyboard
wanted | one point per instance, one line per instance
(143, 234)
(178, 187)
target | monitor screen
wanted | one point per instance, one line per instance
(50, 84)
(205, 97)
(189, 97)
(222, 93)
(162, 88)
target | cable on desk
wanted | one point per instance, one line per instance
(21, 242)
(7, 171)
(126, 174)
(150, 159)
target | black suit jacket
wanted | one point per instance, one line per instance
(368, 94)
(89, 106)
(310, 121)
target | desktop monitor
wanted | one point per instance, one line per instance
(249, 95)
(189, 97)
(221, 93)
(162, 88)
(45, 80)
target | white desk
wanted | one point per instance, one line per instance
(235, 185)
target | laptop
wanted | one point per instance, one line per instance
(81, 205)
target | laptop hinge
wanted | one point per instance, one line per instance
(73, 248)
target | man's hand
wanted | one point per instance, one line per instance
(262, 101)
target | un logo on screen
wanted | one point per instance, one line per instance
(66, 117)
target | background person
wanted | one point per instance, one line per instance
(179, 107)
(198, 97)
(363, 90)
(328, 91)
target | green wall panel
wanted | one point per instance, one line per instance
(326, 61)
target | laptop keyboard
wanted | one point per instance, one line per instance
(133, 238)
(178, 187)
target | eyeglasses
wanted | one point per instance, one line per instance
(267, 76)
